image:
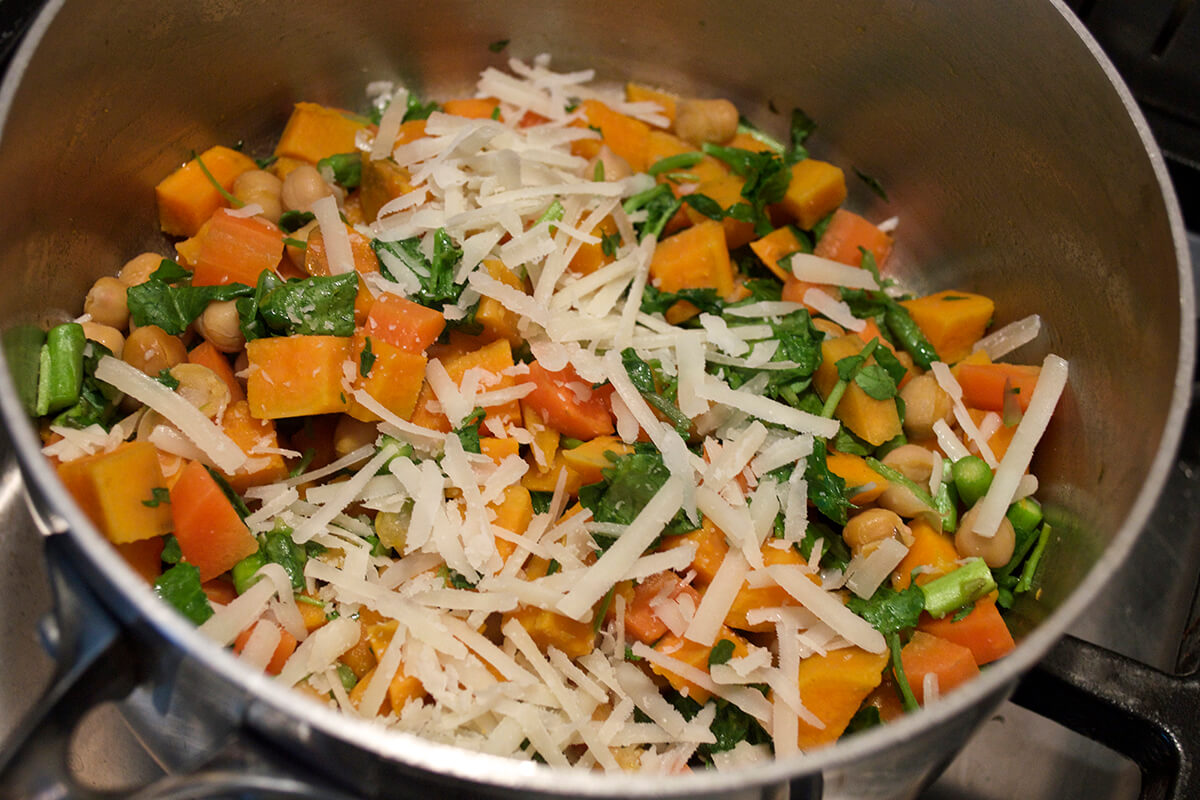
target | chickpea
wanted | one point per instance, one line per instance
(151, 349)
(615, 167)
(106, 304)
(106, 335)
(874, 525)
(260, 187)
(915, 463)
(351, 434)
(924, 404)
(201, 387)
(220, 325)
(302, 187)
(138, 269)
(700, 121)
(297, 254)
(994, 550)
(831, 329)
(392, 528)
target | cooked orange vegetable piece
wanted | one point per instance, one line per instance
(295, 376)
(710, 549)
(122, 491)
(590, 256)
(513, 513)
(211, 535)
(983, 384)
(314, 132)
(774, 246)
(998, 441)
(952, 321)
(641, 620)
(636, 93)
(283, 651)
(568, 403)
(394, 377)
(591, 457)
(472, 107)
(316, 262)
(660, 145)
(726, 191)
(402, 323)
(382, 180)
(695, 655)
(927, 654)
(749, 597)
(816, 189)
(536, 480)
(187, 198)
(256, 438)
(498, 449)
(847, 232)
(982, 631)
(833, 686)
(144, 556)
(696, 258)
(492, 359)
(219, 590)
(623, 134)
(548, 629)
(854, 470)
(545, 438)
(932, 552)
(498, 321)
(875, 421)
(236, 250)
(207, 355)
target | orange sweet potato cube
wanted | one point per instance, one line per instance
(493, 359)
(833, 687)
(816, 190)
(296, 376)
(695, 655)
(697, 258)
(548, 629)
(499, 322)
(253, 436)
(314, 132)
(122, 492)
(186, 197)
(394, 377)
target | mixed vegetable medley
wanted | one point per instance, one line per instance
(560, 423)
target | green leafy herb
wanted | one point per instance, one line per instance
(801, 128)
(876, 382)
(158, 496)
(167, 379)
(631, 656)
(454, 579)
(298, 244)
(171, 553)
(844, 441)
(703, 204)
(872, 183)
(366, 359)
(292, 221)
(301, 465)
(660, 204)
(553, 213)
(721, 652)
(766, 175)
(180, 586)
(468, 432)
(609, 242)
(157, 302)
(834, 552)
(553, 567)
(865, 718)
(239, 505)
(435, 276)
(346, 676)
(541, 501)
(889, 611)
(730, 726)
(346, 168)
(657, 301)
(826, 490)
(279, 548)
(629, 484)
(418, 110)
(602, 610)
(642, 375)
(498, 45)
(322, 305)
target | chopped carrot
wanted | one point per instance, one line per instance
(283, 651)
(982, 631)
(998, 441)
(187, 198)
(402, 323)
(295, 376)
(236, 250)
(697, 258)
(211, 535)
(774, 246)
(121, 491)
(207, 355)
(750, 597)
(568, 403)
(472, 107)
(641, 620)
(983, 384)
(847, 232)
(927, 654)
(314, 132)
(498, 449)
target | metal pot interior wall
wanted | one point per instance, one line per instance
(1010, 160)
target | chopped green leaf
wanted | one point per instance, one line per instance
(454, 579)
(826, 490)
(659, 203)
(498, 45)
(679, 161)
(292, 221)
(721, 652)
(865, 718)
(158, 496)
(889, 611)
(598, 170)
(180, 586)
(347, 677)
(657, 301)
(468, 432)
(906, 693)
(301, 465)
(418, 110)
(703, 204)
(609, 242)
(436, 275)
(167, 379)
(322, 305)
(172, 308)
(171, 554)
(766, 175)
(872, 183)
(278, 547)
(541, 501)
(366, 359)
(876, 382)
(263, 163)
(345, 168)
(629, 484)
(802, 126)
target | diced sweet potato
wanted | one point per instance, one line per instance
(122, 492)
(697, 258)
(256, 438)
(952, 321)
(314, 132)
(187, 198)
(816, 189)
(295, 376)
(832, 687)
(394, 377)
(875, 421)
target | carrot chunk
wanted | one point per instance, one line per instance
(983, 384)
(236, 250)
(847, 232)
(568, 403)
(982, 631)
(211, 535)
(927, 654)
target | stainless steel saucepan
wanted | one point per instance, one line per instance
(1017, 163)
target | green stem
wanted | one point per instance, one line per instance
(1035, 558)
(906, 693)
(957, 589)
(233, 201)
(61, 376)
(910, 336)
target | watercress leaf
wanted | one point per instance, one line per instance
(318, 306)
(721, 652)
(876, 382)
(656, 301)
(886, 359)
(346, 168)
(640, 373)
(468, 433)
(180, 586)
(171, 552)
(826, 490)
(279, 548)
(889, 611)
(173, 308)
(705, 205)
(802, 126)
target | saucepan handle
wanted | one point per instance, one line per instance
(1139, 711)
(98, 661)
